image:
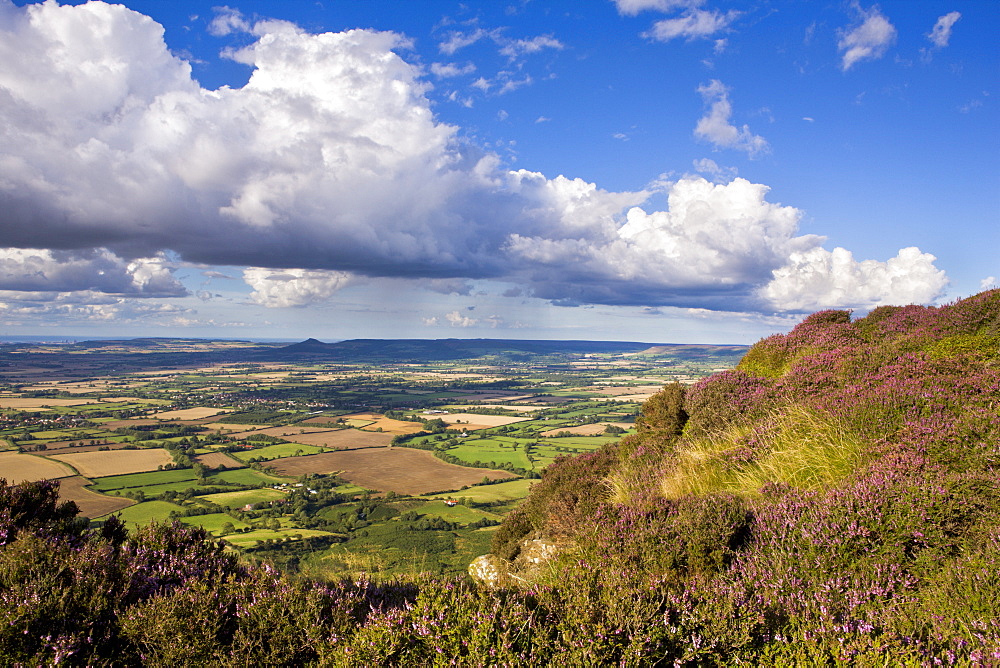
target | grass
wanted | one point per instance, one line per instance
(248, 477)
(349, 489)
(51, 435)
(581, 442)
(251, 538)
(143, 513)
(491, 450)
(801, 449)
(136, 480)
(457, 513)
(502, 491)
(213, 522)
(242, 498)
(277, 451)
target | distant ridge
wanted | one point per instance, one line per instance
(308, 346)
(449, 349)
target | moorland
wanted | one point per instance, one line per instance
(832, 499)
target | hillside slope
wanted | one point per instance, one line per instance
(833, 498)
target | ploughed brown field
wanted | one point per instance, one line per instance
(64, 447)
(91, 504)
(219, 459)
(400, 470)
(190, 413)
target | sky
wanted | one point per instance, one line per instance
(646, 170)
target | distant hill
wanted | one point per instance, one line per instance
(454, 349)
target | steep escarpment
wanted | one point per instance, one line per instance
(833, 498)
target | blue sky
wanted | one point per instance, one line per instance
(656, 170)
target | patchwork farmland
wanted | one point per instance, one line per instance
(399, 470)
(315, 463)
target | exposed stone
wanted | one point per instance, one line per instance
(494, 572)
(490, 570)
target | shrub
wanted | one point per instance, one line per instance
(717, 401)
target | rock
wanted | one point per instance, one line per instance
(490, 570)
(536, 551)
(494, 572)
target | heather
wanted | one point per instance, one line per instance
(833, 500)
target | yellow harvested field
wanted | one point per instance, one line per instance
(16, 468)
(379, 421)
(39, 402)
(116, 462)
(517, 408)
(638, 397)
(391, 426)
(473, 421)
(91, 504)
(189, 413)
(230, 427)
(620, 391)
(350, 439)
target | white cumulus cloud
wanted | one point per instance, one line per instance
(633, 7)
(818, 278)
(940, 34)
(694, 23)
(867, 40)
(448, 70)
(521, 47)
(456, 319)
(716, 126)
(294, 287)
(328, 167)
(99, 271)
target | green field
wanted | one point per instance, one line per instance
(248, 477)
(155, 483)
(347, 489)
(496, 450)
(276, 451)
(503, 491)
(457, 513)
(580, 442)
(143, 513)
(212, 522)
(135, 480)
(242, 498)
(52, 435)
(251, 538)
